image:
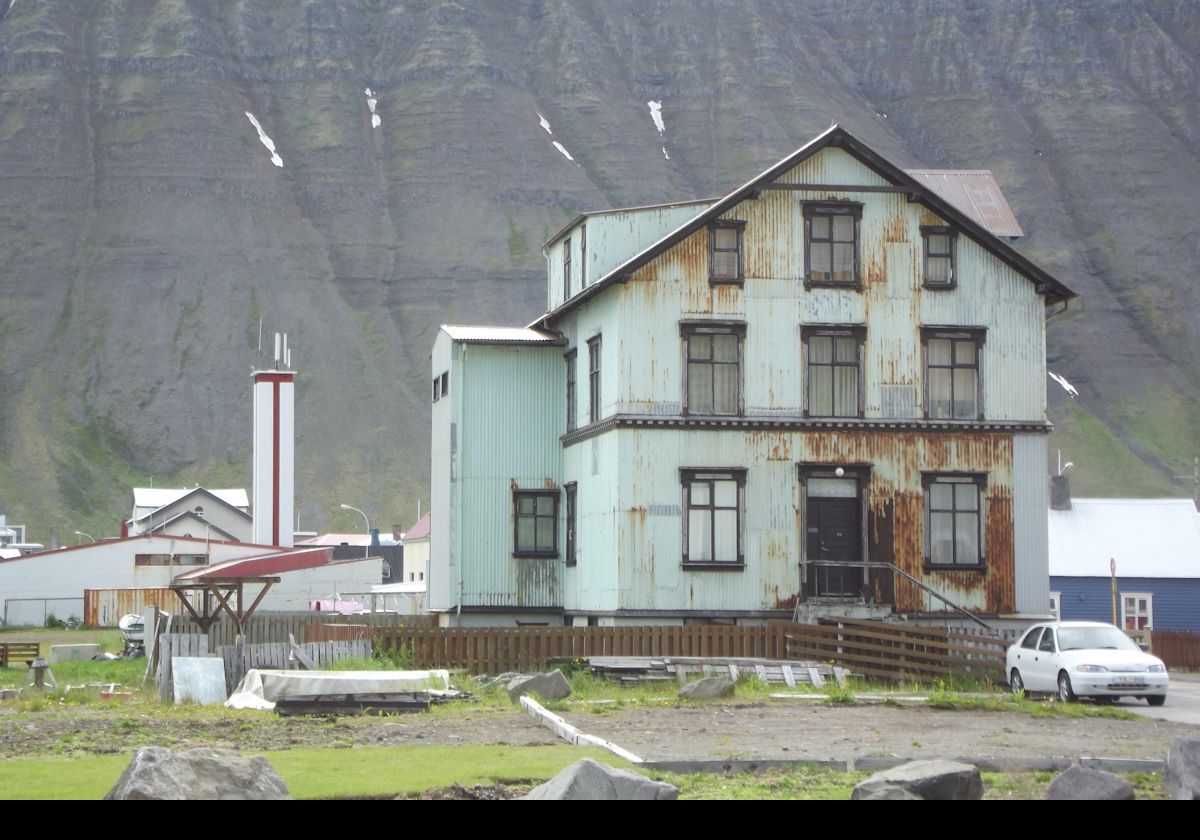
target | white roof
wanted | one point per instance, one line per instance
(156, 497)
(498, 335)
(1156, 538)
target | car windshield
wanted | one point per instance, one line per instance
(1093, 638)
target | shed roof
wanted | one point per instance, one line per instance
(499, 335)
(259, 565)
(1155, 538)
(976, 193)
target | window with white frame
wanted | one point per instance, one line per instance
(1137, 610)
(1056, 604)
(714, 510)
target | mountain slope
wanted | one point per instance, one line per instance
(144, 230)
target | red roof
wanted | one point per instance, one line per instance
(262, 565)
(419, 529)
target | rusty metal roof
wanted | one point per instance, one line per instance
(974, 192)
(499, 335)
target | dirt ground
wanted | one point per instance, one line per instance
(773, 730)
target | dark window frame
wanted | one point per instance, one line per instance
(927, 254)
(566, 267)
(722, 279)
(858, 332)
(830, 209)
(583, 256)
(517, 516)
(445, 384)
(976, 335)
(688, 478)
(437, 388)
(690, 329)
(953, 480)
(595, 346)
(571, 357)
(571, 536)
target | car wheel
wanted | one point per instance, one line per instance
(1065, 692)
(1157, 700)
(1015, 682)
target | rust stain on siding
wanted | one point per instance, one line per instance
(1001, 554)
(537, 581)
(776, 446)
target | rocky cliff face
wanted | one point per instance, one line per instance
(145, 228)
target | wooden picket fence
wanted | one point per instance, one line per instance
(886, 651)
(875, 649)
(1176, 648)
(275, 627)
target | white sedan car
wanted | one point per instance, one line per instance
(1084, 659)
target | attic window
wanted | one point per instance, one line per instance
(725, 252)
(831, 244)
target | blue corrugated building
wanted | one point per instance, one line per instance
(1154, 546)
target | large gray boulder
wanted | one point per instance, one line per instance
(551, 686)
(158, 773)
(587, 779)
(923, 780)
(1087, 783)
(708, 688)
(1182, 776)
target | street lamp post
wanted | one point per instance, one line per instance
(82, 534)
(367, 549)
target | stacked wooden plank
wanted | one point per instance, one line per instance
(636, 669)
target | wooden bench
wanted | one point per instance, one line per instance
(16, 654)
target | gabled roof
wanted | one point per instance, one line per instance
(499, 335)
(836, 137)
(419, 530)
(213, 530)
(201, 492)
(1155, 538)
(157, 497)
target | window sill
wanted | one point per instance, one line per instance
(541, 555)
(929, 567)
(570, 564)
(713, 566)
(856, 286)
(939, 287)
(726, 281)
(976, 419)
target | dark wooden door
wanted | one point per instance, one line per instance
(834, 537)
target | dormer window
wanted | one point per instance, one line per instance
(725, 252)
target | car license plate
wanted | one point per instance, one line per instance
(1127, 680)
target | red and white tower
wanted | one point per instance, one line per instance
(274, 450)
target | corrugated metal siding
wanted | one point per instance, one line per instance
(445, 513)
(1030, 501)
(1176, 601)
(512, 417)
(650, 515)
(893, 304)
(105, 607)
(592, 584)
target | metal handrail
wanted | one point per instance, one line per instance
(897, 570)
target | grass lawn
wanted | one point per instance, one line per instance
(321, 773)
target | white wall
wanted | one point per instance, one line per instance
(296, 589)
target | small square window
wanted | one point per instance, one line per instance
(941, 268)
(535, 523)
(725, 252)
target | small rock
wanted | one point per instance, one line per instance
(158, 773)
(551, 686)
(1090, 784)
(935, 779)
(708, 688)
(587, 779)
(1182, 776)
